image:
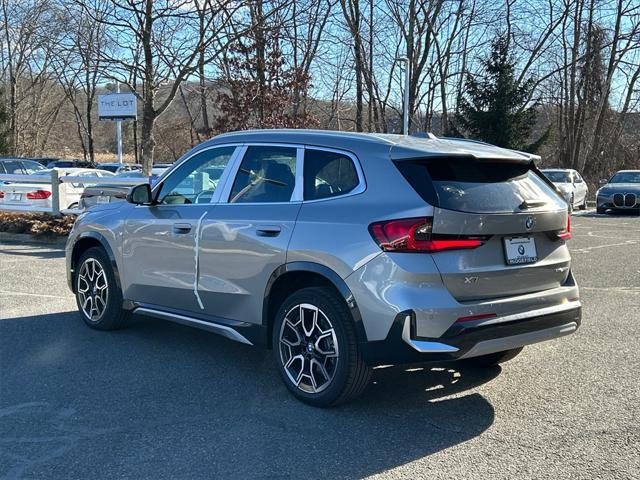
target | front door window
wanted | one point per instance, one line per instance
(196, 180)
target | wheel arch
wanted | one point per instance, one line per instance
(86, 241)
(294, 276)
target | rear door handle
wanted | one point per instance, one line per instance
(268, 230)
(181, 227)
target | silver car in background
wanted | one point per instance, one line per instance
(340, 251)
(571, 184)
(106, 193)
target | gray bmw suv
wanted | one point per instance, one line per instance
(339, 251)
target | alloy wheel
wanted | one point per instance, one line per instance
(93, 289)
(308, 348)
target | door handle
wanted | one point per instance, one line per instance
(268, 230)
(181, 227)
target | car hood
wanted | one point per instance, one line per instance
(621, 187)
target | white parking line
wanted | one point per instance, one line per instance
(613, 289)
(588, 249)
(3, 292)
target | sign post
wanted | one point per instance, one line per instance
(118, 107)
(119, 133)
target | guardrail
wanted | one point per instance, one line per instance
(58, 184)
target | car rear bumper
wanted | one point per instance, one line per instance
(470, 339)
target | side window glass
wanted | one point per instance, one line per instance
(196, 180)
(30, 167)
(13, 167)
(577, 177)
(266, 175)
(328, 174)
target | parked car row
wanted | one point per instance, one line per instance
(78, 195)
(620, 193)
(39, 195)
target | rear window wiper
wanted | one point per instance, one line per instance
(527, 204)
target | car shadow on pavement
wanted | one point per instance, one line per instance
(159, 400)
(36, 252)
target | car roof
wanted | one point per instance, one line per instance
(400, 146)
(556, 170)
(628, 171)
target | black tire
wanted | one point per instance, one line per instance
(583, 205)
(493, 359)
(350, 374)
(601, 210)
(112, 316)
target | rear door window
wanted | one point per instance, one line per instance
(479, 186)
(328, 174)
(266, 175)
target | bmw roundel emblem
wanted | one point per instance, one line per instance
(521, 249)
(529, 223)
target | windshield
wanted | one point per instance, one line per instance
(626, 177)
(32, 167)
(557, 177)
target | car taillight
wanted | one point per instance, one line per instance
(39, 195)
(1, 194)
(414, 235)
(566, 233)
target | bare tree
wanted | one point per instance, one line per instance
(171, 38)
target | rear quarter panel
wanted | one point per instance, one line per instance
(335, 232)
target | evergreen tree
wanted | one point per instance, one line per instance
(4, 131)
(494, 107)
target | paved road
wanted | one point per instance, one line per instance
(160, 400)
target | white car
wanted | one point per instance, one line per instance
(573, 187)
(39, 195)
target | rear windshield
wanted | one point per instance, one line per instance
(479, 186)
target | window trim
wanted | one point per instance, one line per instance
(357, 190)
(296, 196)
(217, 195)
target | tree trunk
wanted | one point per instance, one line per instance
(148, 109)
(147, 142)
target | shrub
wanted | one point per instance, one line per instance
(36, 224)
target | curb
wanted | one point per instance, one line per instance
(28, 238)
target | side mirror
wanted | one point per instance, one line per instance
(603, 181)
(140, 194)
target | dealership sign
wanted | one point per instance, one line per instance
(117, 106)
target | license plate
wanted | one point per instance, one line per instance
(520, 250)
(14, 197)
(103, 199)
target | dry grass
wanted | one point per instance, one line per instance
(100, 157)
(36, 224)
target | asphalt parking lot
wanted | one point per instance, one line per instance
(160, 400)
